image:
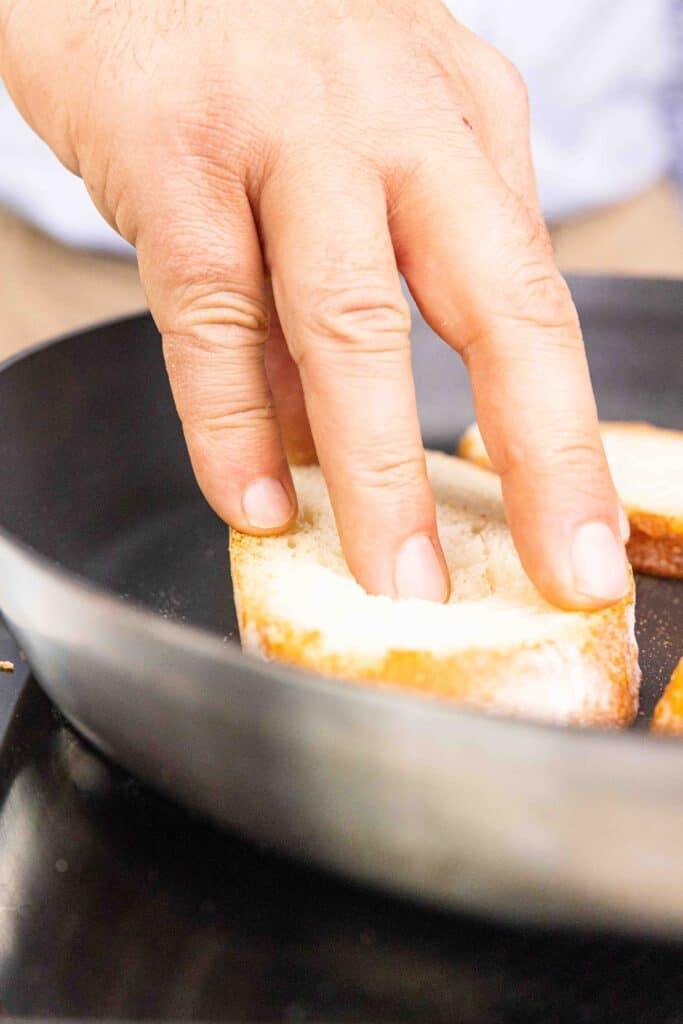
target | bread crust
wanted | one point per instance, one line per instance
(652, 550)
(655, 546)
(471, 447)
(668, 716)
(592, 682)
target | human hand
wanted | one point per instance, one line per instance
(324, 146)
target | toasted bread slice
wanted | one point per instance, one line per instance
(668, 716)
(647, 468)
(497, 644)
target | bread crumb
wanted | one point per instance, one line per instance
(6, 666)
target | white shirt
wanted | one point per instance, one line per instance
(596, 70)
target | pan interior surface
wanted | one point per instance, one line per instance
(96, 475)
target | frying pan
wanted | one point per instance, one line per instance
(114, 579)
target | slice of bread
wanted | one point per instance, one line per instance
(647, 468)
(668, 716)
(497, 644)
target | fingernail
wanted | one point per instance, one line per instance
(624, 525)
(599, 563)
(418, 571)
(266, 504)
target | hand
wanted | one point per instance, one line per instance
(324, 146)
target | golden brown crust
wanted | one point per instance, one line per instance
(656, 556)
(488, 679)
(471, 447)
(668, 716)
(656, 543)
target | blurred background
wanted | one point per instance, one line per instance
(605, 80)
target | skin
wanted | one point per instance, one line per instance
(277, 164)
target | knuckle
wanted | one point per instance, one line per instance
(537, 296)
(529, 231)
(249, 419)
(576, 452)
(208, 315)
(380, 467)
(213, 135)
(201, 123)
(570, 455)
(503, 79)
(510, 84)
(374, 318)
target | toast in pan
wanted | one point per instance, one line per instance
(668, 716)
(647, 468)
(497, 644)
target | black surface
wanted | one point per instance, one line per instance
(116, 904)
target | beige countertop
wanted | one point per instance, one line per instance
(46, 288)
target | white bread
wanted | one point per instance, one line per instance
(497, 644)
(647, 467)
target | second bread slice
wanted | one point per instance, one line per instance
(646, 463)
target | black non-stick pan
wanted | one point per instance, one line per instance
(114, 578)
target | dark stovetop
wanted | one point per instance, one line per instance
(115, 903)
